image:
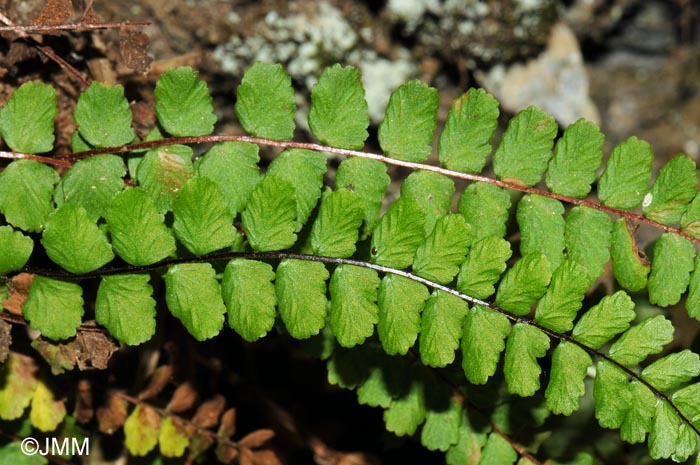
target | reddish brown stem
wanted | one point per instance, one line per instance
(35, 28)
(391, 161)
(28, 156)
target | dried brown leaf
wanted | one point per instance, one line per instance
(144, 117)
(133, 46)
(18, 290)
(5, 340)
(325, 455)
(89, 349)
(84, 410)
(19, 52)
(159, 380)
(226, 453)
(257, 438)
(183, 398)
(357, 458)
(227, 427)
(88, 15)
(60, 357)
(208, 413)
(55, 12)
(264, 457)
(112, 415)
(95, 348)
(246, 456)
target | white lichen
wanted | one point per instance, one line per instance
(306, 44)
(411, 11)
(303, 43)
(380, 77)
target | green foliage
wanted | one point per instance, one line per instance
(171, 440)
(484, 264)
(541, 224)
(13, 453)
(406, 413)
(141, 430)
(526, 147)
(673, 189)
(485, 207)
(139, 234)
(587, 235)
(611, 316)
(441, 328)
(250, 297)
(564, 297)
(565, 389)
(523, 284)
(353, 311)
(233, 166)
(670, 270)
(626, 175)
(26, 121)
(103, 116)
(674, 369)
(690, 221)
(639, 341)
(301, 296)
(125, 306)
(163, 171)
(621, 404)
(75, 242)
(510, 282)
(400, 303)
(442, 427)
(338, 114)
(15, 249)
(396, 238)
(46, 413)
(576, 159)
(269, 218)
(202, 220)
(693, 300)
(432, 191)
(524, 346)
(183, 104)
(304, 170)
(409, 124)
(482, 343)
(497, 451)
(335, 230)
(26, 191)
(53, 307)
(464, 143)
(439, 257)
(265, 104)
(92, 184)
(368, 179)
(193, 296)
(630, 268)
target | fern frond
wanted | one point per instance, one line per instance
(427, 280)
